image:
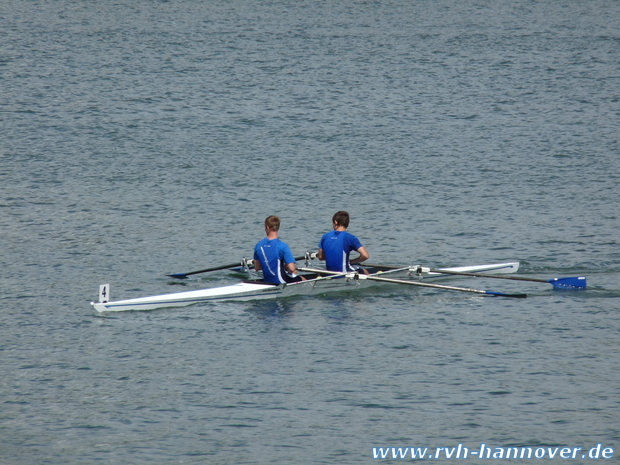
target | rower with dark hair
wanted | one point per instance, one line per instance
(336, 245)
(274, 257)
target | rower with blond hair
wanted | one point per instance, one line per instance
(273, 257)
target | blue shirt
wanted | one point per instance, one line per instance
(336, 247)
(273, 254)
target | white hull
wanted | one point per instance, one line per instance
(257, 291)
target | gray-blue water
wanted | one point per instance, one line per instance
(139, 138)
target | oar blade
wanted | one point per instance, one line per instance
(501, 294)
(178, 275)
(577, 282)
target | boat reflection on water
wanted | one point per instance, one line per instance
(267, 309)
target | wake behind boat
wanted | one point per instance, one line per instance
(318, 282)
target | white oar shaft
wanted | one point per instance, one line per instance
(374, 277)
(441, 286)
(417, 283)
(327, 274)
(348, 273)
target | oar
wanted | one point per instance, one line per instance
(327, 274)
(441, 286)
(334, 274)
(374, 277)
(215, 268)
(206, 270)
(575, 282)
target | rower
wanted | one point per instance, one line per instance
(274, 257)
(336, 245)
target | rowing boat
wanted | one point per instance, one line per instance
(317, 283)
